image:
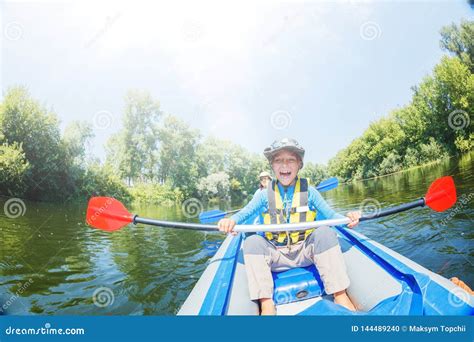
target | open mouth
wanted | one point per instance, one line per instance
(285, 174)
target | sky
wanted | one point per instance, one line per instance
(247, 71)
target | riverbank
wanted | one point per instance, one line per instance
(408, 169)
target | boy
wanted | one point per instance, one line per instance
(289, 199)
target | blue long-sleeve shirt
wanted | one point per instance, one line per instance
(259, 204)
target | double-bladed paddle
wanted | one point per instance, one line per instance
(106, 213)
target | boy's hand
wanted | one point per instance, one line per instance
(227, 226)
(354, 216)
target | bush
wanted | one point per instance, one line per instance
(391, 163)
(432, 151)
(464, 144)
(411, 157)
(315, 173)
(215, 185)
(97, 181)
(13, 168)
(26, 122)
(159, 194)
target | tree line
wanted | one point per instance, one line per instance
(435, 124)
(154, 158)
(158, 158)
(38, 162)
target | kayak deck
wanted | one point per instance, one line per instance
(382, 283)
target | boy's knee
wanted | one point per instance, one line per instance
(324, 238)
(255, 244)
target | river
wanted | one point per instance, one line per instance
(51, 262)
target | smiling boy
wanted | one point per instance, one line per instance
(289, 199)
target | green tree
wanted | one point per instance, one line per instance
(391, 163)
(436, 123)
(76, 136)
(448, 93)
(133, 150)
(459, 40)
(177, 154)
(314, 172)
(13, 168)
(413, 123)
(411, 157)
(431, 151)
(115, 150)
(216, 185)
(216, 155)
(245, 167)
(24, 121)
(97, 180)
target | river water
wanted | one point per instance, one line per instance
(51, 262)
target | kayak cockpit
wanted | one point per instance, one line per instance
(382, 282)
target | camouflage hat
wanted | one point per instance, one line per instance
(283, 144)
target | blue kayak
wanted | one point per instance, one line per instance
(383, 282)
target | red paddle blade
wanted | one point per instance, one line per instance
(442, 194)
(107, 213)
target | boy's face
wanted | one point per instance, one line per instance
(286, 165)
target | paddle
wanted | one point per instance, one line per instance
(216, 215)
(108, 214)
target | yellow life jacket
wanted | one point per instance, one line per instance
(299, 212)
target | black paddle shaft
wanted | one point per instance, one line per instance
(389, 211)
(179, 225)
(212, 228)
